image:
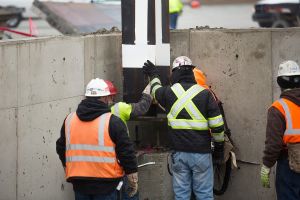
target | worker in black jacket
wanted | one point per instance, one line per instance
(94, 147)
(194, 120)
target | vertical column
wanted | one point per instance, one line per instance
(162, 33)
(145, 36)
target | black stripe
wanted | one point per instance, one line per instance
(165, 21)
(128, 21)
(135, 82)
(151, 22)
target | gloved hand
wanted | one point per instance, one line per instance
(132, 184)
(150, 69)
(265, 176)
(218, 154)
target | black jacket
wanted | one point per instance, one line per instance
(88, 110)
(274, 146)
(189, 140)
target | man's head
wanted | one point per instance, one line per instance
(288, 76)
(101, 89)
(182, 62)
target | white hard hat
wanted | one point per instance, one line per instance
(182, 61)
(288, 68)
(99, 88)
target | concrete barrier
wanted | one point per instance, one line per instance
(41, 80)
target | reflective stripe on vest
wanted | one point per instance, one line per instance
(175, 6)
(122, 111)
(99, 147)
(115, 110)
(292, 132)
(184, 101)
(89, 147)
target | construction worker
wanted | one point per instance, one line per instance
(282, 143)
(192, 111)
(175, 9)
(94, 147)
(126, 111)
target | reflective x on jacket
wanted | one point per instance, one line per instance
(193, 115)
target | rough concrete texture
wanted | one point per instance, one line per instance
(8, 156)
(102, 58)
(285, 46)
(245, 185)
(39, 127)
(8, 72)
(180, 44)
(50, 70)
(44, 79)
(155, 181)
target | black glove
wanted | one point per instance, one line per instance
(150, 69)
(218, 154)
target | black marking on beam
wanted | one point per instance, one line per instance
(151, 22)
(165, 21)
(128, 21)
(135, 82)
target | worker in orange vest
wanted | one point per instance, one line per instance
(94, 147)
(283, 135)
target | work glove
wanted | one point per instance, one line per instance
(132, 184)
(150, 69)
(218, 154)
(265, 176)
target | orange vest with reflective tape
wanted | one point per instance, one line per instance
(291, 113)
(90, 152)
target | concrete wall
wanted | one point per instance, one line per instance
(41, 80)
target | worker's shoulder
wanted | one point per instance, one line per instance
(121, 103)
(276, 105)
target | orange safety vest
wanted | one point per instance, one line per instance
(291, 112)
(90, 152)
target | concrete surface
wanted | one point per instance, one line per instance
(285, 46)
(9, 69)
(50, 70)
(156, 176)
(42, 80)
(8, 156)
(245, 185)
(102, 58)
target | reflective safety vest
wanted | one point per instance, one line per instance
(291, 112)
(122, 110)
(175, 6)
(184, 101)
(90, 152)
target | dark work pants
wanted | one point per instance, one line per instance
(287, 182)
(173, 20)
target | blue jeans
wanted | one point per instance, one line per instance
(287, 181)
(124, 192)
(111, 196)
(173, 20)
(192, 171)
